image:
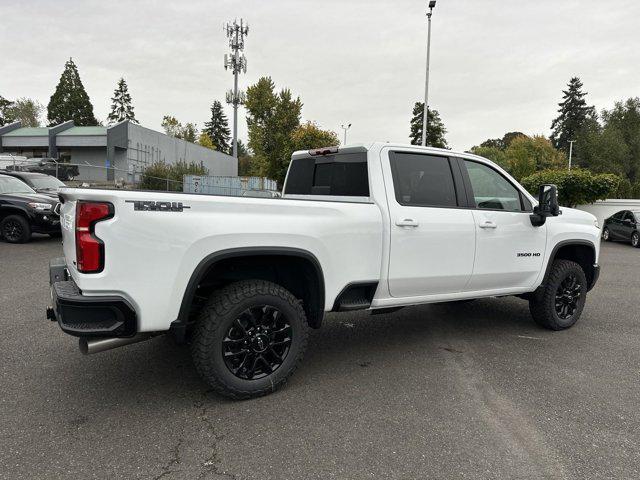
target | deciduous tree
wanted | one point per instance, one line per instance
(272, 118)
(26, 111)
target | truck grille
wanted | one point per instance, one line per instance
(56, 209)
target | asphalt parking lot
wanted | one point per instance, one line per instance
(442, 391)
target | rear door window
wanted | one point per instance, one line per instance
(422, 180)
(343, 175)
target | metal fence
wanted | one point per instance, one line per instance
(132, 178)
(219, 185)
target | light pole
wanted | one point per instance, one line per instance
(345, 132)
(425, 112)
(570, 152)
(237, 63)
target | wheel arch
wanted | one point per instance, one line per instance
(583, 252)
(6, 210)
(285, 266)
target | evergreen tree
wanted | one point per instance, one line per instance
(435, 127)
(70, 100)
(574, 114)
(218, 128)
(121, 108)
(5, 106)
(242, 149)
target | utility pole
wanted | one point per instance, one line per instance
(237, 62)
(570, 152)
(345, 132)
(425, 113)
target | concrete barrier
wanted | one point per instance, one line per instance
(605, 208)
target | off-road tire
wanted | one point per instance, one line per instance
(217, 316)
(21, 229)
(542, 304)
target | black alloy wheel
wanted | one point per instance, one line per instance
(558, 303)
(567, 297)
(257, 342)
(15, 229)
(248, 338)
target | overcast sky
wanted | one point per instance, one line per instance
(496, 66)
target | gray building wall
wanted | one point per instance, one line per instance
(95, 156)
(146, 146)
(125, 147)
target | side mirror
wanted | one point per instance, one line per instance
(547, 205)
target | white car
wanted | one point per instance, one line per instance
(377, 227)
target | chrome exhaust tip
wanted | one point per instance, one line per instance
(89, 346)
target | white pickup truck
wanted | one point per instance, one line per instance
(379, 227)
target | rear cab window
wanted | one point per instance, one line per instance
(422, 180)
(339, 172)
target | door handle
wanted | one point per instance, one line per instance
(407, 222)
(488, 224)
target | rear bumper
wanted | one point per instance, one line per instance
(87, 316)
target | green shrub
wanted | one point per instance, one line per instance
(575, 187)
(624, 189)
(154, 177)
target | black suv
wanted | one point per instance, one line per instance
(42, 183)
(23, 211)
(624, 225)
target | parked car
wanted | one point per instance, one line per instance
(23, 211)
(42, 183)
(623, 225)
(14, 161)
(375, 228)
(48, 166)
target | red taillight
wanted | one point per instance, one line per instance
(89, 248)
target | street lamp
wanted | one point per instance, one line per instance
(345, 132)
(425, 112)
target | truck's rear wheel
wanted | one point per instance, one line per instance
(560, 301)
(249, 338)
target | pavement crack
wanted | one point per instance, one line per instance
(174, 460)
(212, 464)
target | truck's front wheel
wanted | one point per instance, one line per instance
(249, 338)
(559, 302)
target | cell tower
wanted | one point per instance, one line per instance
(236, 62)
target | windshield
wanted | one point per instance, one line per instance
(46, 183)
(13, 185)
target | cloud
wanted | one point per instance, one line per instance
(496, 66)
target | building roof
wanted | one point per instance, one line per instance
(87, 131)
(28, 132)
